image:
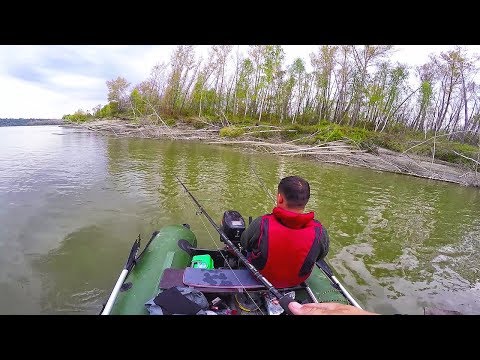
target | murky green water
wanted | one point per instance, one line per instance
(71, 205)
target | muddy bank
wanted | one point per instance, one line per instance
(337, 152)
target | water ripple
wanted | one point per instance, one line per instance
(71, 206)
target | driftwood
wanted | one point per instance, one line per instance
(318, 153)
(338, 152)
(265, 131)
(313, 148)
(248, 142)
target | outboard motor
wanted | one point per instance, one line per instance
(233, 226)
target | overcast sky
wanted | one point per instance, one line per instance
(40, 81)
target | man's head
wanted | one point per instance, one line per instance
(293, 193)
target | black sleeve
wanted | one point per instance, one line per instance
(251, 234)
(324, 244)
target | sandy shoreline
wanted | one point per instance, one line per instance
(338, 152)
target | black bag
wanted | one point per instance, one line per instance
(179, 301)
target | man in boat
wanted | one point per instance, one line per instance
(285, 244)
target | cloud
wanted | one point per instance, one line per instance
(49, 81)
(23, 99)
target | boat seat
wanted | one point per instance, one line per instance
(210, 281)
(174, 277)
(214, 281)
(223, 278)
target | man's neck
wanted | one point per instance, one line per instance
(295, 210)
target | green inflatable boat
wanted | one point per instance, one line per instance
(174, 276)
(172, 259)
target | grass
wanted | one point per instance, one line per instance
(231, 131)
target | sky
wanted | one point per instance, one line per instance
(49, 81)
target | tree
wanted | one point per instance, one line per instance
(323, 63)
(363, 59)
(297, 70)
(118, 92)
(182, 62)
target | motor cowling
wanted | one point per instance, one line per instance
(233, 225)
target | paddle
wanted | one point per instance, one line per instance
(326, 269)
(126, 269)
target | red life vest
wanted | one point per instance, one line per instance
(287, 248)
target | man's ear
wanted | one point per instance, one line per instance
(280, 199)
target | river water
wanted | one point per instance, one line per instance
(73, 202)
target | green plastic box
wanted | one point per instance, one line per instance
(202, 262)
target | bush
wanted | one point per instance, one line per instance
(334, 134)
(106, 111)
(330, 132)
(170, 121)
(265, 135)
(388, 141)
(231, 132)
(446, 155)
(358, 134)
(78, 116)
(445, 150)
(240, 120)
(195, 122)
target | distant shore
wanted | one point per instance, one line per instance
(337, 152)
(30, 122)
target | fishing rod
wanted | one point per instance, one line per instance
(283, 300)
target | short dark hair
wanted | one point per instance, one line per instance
(296, 191)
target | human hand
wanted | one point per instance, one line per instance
(326, 309)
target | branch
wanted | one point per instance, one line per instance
(434, 137)
(466, 157)
(158, 116)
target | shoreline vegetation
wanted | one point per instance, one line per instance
(342, 151)
(352, 105)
